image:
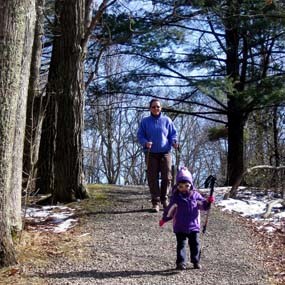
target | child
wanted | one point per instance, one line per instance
(184, 209)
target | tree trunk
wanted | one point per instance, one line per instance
(16, 182)
(35, 109)
(236, 115)
(45, 167)
(62, 172)
(236, 123)
(275, 136)
(12, 33)
(276, 179)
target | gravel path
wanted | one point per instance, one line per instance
(128, 247)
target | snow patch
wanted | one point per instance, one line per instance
(55, 219)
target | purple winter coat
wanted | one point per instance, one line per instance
(184, 210)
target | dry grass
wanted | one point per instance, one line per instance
(37, 248)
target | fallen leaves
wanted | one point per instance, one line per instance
(272, 247)
(13, 271)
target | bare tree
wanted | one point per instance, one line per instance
(265, 146)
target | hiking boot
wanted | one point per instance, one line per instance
(197, 266)
(181, 266)
(155, 208)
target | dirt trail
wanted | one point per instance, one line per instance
(121, 243)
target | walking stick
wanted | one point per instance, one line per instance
(178, 152)
(147, 159)
(210, 181)
(147, 162)
(177, 160)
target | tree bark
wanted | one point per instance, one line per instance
(276, 178)
(236, 114)
(16, 183)
(12, 33)
(236, 122)
(45, 167)
(62, 172)
(35, 108)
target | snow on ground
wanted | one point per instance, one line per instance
(252, 204)
(249, 203)
(56, 219)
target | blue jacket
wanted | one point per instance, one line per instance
(158, 130)
(184, 210)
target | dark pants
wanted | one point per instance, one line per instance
(193, 241)
(158, 167)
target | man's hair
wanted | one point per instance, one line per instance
(153, 100)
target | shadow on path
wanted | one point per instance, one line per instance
(112, 212)
(109, 274)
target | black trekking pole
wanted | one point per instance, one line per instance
(210, 181)
(177, 160)
(146, 170)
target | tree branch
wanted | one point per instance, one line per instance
(95, 20)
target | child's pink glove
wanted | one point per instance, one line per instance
(161, 222)
(211, 199)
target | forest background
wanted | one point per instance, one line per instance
(77, 76)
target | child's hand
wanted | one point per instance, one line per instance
(161, 222)
(211, 199)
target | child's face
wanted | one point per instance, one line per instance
(184, 187)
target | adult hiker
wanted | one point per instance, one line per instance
(184, 208)
(157, 135)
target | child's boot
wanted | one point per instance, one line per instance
(197, 266)
(181, 266)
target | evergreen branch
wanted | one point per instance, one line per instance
(95, 20)
(216, 35)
